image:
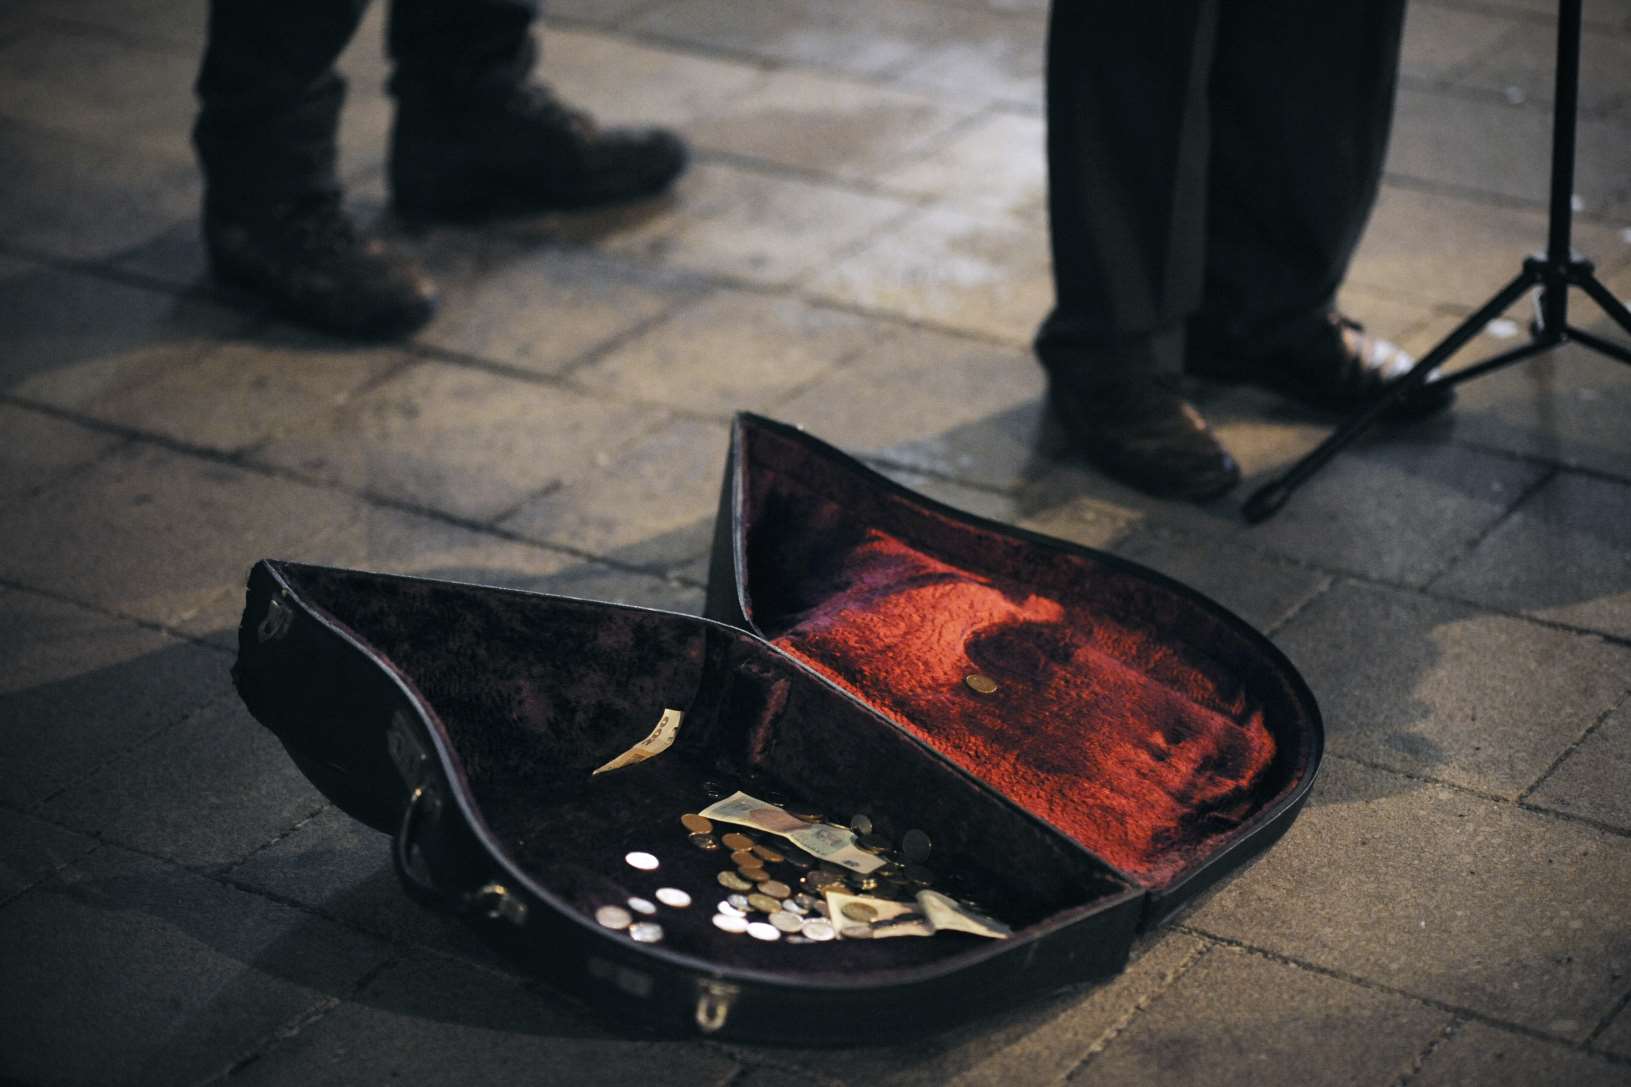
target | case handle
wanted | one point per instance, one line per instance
(419, 888)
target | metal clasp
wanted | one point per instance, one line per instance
(500, 905)
(714, 1002)
(279, 617)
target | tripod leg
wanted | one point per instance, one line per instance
(1605, 298)
(1268, 499)
(1597, 343)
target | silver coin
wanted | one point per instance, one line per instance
(817, 928)
(861, 823)
(740, 901)
(761, 930)
(642, 905)
(613, 917)
(795, 938)
(730, 922)
(787, 922)
(646, 932)
(730, 909)
(856, 932)
(673, 897)
(792, 906)
(915, 846)
(643, 861)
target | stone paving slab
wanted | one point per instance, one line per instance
(1000, 63)
(204, 793)
(949, 269)
(831, 126)
(732, 351)
(1617, 1038)
(1441, 42)
(78, 688)
(336, 866)
(1478, 1054)
(673, 88)
(1523, 64)
(41, 449)
(1564, 555)
(173, 22)
(652, 506)
(457, 439)
(752, 226)
(173, 539)
(1445, 691)
(31, 850)
(1590, 781)
(1033, 1044)
(1434, 892)
(539, 307)
(122, 197)
(74, 338)
(1237, 1018)
(189, 973)
(431, 1021)
(993, 165)
(1500, 149)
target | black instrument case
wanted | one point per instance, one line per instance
(1140, 742)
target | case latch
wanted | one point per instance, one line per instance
(499, 904)
(279, 617)
(714, 1000)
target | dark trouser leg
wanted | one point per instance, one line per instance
(1302, 101)
(450, 53)
(270, 99)
(1128, 123)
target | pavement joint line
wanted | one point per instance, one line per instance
(755, 1059)
(291, 1028)
(1590, 730)
(1138, 1007)
(49, 874)
(856, 184)
(1493, 798)
(233, 866)
(618, 340)
(113, 613)
(1492, 199)
(1520, 457)
(108, 269)
(1420, 1060)
(1606, 1021)
(1451, 558)
(1519, 13)
(1327, 581)
(1466, 1013)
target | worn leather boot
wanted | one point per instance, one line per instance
(1328, 362)
(525, 151)
(1143, 433)
(306, 256)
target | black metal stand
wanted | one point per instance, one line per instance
(1554, 273)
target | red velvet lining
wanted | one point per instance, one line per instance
(1141, 746)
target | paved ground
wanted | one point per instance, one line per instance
(859, 249)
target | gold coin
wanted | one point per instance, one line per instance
(859, 911)
(768, 855)
(745, 858)
(734, 882)
(764, 903)
(775, 888)
(736, 840)
(980, 683)
(753, 873)
(697, 824)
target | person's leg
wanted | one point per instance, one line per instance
(273, 223)
(1127, 156)
(476, 136)
(269, 99)
(1302, 104)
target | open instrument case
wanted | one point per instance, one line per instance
(1139, 743)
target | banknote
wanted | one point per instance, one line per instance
(823, 841)
(658, 740)
(944, 912)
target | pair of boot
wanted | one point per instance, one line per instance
(1141, 431)
(526, 152)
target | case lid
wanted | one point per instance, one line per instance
(1135, 716)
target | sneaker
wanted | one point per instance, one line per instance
(1330, 363)
(528, 152)
(307, 257)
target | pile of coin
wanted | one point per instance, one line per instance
(777, 891)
